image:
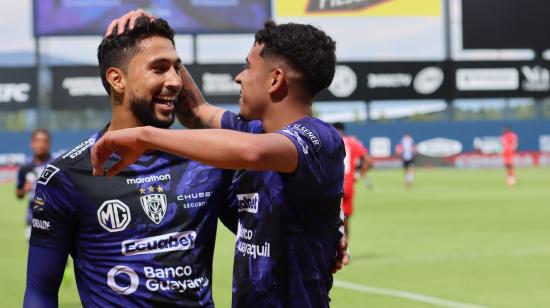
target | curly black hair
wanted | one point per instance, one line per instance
(305, 48)
(117, 50)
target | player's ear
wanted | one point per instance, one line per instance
(116, 78)
(277, 80)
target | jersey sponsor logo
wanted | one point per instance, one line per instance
(40, 224)
(248, 202)
(79, 149)
(305, 147)
(309, 133)
(149, 179)
(170, 279)
(254, 250)
(194, 195)
(194, 199)
(154, 205)
(47, 174)
(162, 243)
(38, 202)
(123, 280)
(114, 215)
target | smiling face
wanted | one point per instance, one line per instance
(153, 82)
(255, 81)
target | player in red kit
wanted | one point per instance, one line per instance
(509, 145)
(355, 153)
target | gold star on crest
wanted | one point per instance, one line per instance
(142, 190)
(160, 189)
(151, 189)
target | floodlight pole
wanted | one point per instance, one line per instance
(448, 56)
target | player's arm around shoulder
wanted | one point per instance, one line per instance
(228, 149)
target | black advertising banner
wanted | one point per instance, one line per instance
(217, 81)
(18, 88)
(501, 79)
(388, 81)
(78, 87)
(87, 17)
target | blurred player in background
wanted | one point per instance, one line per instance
(406, 149)
(509, 146)
(356, 154)
(28, 173)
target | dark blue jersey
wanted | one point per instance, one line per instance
(29, 173)
(289, 224)
(142, 238)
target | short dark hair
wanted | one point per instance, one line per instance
(40, 131)
(117, 50)
(339, 126)
(307, 49)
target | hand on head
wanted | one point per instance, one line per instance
(127, 19)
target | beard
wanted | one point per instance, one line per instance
(144, 111)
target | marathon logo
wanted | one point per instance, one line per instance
(149, 179)
(162, 243)
(321, 6)
(79, 149)
(248, 202)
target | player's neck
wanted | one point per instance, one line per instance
(282, 114)
(122, 118)
(40, 159)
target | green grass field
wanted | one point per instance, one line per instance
(459, 238)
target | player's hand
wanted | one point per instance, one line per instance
(28, 186)
(127, 19)
(342, 258)
(190, 96)
(127, 143)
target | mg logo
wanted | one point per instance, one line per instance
(123, 280)
(113, 215)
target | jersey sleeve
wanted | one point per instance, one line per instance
(320, 151)
(21, 174)
(54, 210)
(43, 281)
(233, 121)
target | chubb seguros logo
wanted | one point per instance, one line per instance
(122, 280)
(344, 82)
(248, 202)
(114, 215)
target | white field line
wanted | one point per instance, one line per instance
(441, 257)
(404, 294)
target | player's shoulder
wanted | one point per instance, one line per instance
(74, 161)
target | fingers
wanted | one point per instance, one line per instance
(127, 19)
(100, 153)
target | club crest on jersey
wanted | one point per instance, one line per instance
(154, 206)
